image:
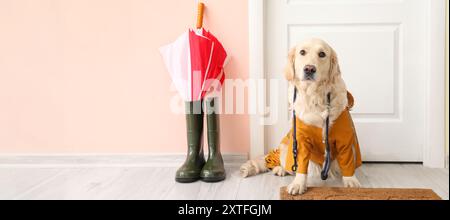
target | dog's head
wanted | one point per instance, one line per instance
(314, 61)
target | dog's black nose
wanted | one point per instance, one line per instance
(309, 69)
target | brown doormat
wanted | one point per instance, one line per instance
(318, 193)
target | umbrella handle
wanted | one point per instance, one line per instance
(201, 9)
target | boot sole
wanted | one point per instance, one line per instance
(186, 180)
(212, 179)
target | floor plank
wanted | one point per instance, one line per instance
(15, 182)
(140, 183)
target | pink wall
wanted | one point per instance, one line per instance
(85, 76)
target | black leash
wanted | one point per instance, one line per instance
(294, 130)
(326, 167)
(294, 124)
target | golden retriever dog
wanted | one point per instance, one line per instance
(313, 69)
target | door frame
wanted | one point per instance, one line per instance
(434, 146)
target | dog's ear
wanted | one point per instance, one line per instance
(335, 70)
(289, 70)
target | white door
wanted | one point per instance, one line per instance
(381, 46)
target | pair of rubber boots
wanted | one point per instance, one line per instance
(195, 167)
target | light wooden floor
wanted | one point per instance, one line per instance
(158, 183)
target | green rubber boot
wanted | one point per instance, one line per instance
(190, 171)
(214, 170)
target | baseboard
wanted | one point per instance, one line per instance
(105, 160)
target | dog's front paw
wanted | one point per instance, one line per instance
(296, 189)
(279, 171)
(351, 182)
(298, 186)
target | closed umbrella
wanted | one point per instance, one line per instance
(194, 61)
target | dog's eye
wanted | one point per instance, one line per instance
(303, 52)
(322, 54)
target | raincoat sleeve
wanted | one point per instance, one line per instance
(304, 155)
(303, 148)
(348, 153)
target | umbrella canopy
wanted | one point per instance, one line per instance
(195, 62)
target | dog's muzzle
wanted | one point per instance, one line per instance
(309, 72)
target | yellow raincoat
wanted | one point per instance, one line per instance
(342, 139)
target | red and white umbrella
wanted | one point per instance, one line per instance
(195, 62)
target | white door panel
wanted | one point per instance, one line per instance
(381, 48)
